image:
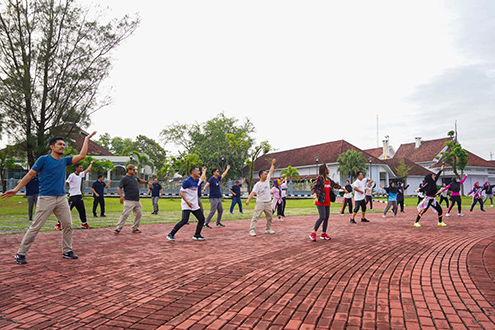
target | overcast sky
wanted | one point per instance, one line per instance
(308, 72)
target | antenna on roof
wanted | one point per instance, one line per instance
(455, 132)
(377, 135)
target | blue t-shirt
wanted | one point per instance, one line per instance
(155, 191)
(99, 187)
(215, 191)
(237, 190)
(391, 196)
(51, 174)
(33, 187)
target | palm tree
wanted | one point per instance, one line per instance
(351, 163)
(141, 161)
(290, 173)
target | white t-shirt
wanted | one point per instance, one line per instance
(361, 185)
(190, 188)
(262, 190)
(74, 181)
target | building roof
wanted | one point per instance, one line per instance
(94, 148)
(473, 160)
(375, 152)
(394, 163)
(327, 152)
(426, 152)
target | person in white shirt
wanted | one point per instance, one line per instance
(75, 194)
(263, 201)
(359, 197)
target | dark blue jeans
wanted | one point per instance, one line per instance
(236, 200)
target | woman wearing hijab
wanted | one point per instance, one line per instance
(400, 195)
(277, 203)
(391, 199)
(430, 191)
(477, 192)
(369, 194)
(321, 193)
(347, 198)
(455, 195)
(488, 193)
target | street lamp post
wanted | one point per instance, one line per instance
(317, 160)
(371, 161)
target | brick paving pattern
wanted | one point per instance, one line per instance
(381, 275)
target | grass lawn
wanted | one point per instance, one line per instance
(14, 219)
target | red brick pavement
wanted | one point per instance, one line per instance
(381, 275)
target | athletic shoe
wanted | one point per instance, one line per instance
(491, 205)
(342, 214)
(85, 225)
(170, 237)
(442, 224)
(220, 224)
(136, 231)
(231, 213)
(21, 260)
(371, 209)
(103, 216)
(312, 236)
(58, 226)
(447, 215)
(483, 211)
(325, 236)
(95, 216)
(416, 224)
(384, 216)
(252, 232)
(365, 220)
(69, 255)
(460, 215)
(241, 212)
(352, 221)
(270, 231)
(198, 238)
(116, 231)
(207, 226)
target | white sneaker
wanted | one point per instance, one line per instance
(270, 231)
(384, 216)
(491, 205)
(447, 215)
(252, 232)
(460, 214)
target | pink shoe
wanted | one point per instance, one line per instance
(325, 237)
(312, 236)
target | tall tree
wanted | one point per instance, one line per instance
(53, 58)
(154, 151)
(455, 157)
(351, 163)
(219, 142)
(290, 173)
(402, 170)
(261, 149)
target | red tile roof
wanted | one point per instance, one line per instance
(415, 168)
(327, 152)
(94, 148)
(426, 152)
(375, 152)
(473, 160)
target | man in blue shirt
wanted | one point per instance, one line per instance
(51, 171)
(215, 196)
(98, 189)
(32, 191)
(236, 195)
(156, 191)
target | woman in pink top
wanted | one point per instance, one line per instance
(477, 192)
(455, 195)
(277, 203)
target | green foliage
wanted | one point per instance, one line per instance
(7, 162)
(219, 142)
(290, 173)
(262, 149)
(105, 141)
(140, 160)
(455, 157)
(54, 56)
(350, 163)
(144, 145)
(402, 170)
(118, 145)
(183, 164)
